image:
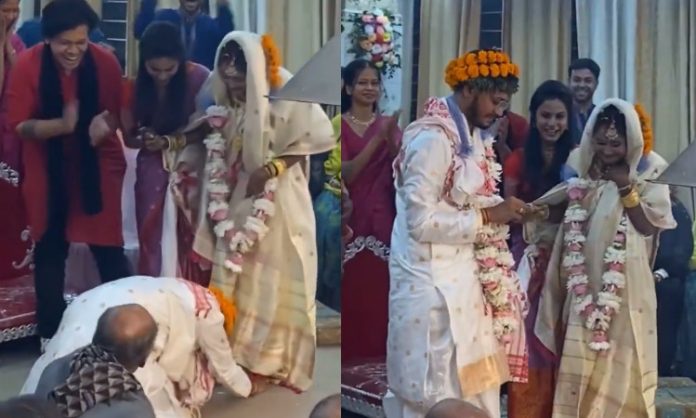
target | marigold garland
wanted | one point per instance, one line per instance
(646, 128)
(273, 60)
(483, 63)
(227, 307)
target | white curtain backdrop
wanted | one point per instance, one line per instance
(607, 34)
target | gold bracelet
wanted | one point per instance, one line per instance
(180, 141)
(631, 200)
(272, 170)
(485, 217)
(280, 166)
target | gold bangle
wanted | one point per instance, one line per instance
(180, 141)
(485, 218)
(280, 166)
(272, 170)
(631, 200)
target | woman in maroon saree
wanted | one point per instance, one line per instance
(530, 172)
(368, 146)
(164, 99)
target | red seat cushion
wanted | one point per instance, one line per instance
(365, 381)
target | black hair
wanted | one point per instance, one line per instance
(608, 115)
(541, 179)
(130, 352)
(585, 64)
(29, 406)
(350, 75)
(235, 53)
(161, 40)
(63, 15)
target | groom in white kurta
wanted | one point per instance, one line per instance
(441, 341)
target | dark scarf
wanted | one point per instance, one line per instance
(95, 377)
(52, 103)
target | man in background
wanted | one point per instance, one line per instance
(583, 75)
(200, 33)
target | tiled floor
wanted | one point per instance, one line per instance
(17, 357)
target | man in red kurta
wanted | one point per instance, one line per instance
(62, 95)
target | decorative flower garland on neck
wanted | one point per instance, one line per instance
(221, 182)
(496, 264)
(598, 312)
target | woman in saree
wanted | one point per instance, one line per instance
(10, 46)
(167, 163)
(598, 306)
(259, 226)
(530, 172)
(369, 143)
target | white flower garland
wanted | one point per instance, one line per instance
(497, 276)
(597, 313)
(238, 241)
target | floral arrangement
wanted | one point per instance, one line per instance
(373, 38)
(273, 60)
(646, 128)
(221, 181)
(497, 276)
(483, 63)
(596, 312)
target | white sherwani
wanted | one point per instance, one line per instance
(187, 332)
(441, 342)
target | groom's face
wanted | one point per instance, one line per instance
(488, 106)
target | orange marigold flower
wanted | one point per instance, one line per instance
(461, 62)
(506, 58)
(472, 71)
(273, 60)
(514, 70)
(495, 70)
(499, 57)
(645, 128)
(504, 70)
(484, 70)
(491, 57)
(460, 73)
(470, 59)
(227, 307)
(482, 57)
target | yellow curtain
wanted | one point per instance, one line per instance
(537, 36)
(448, 29)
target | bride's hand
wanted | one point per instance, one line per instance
(257, 181)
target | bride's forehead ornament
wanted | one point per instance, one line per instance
(612, 133)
